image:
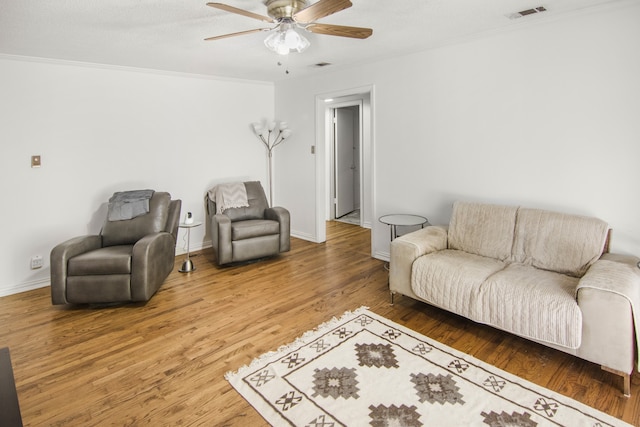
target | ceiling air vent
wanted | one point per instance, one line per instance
(527, 12)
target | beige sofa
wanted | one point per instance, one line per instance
(538, 274)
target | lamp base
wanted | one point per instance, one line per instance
(187, 266)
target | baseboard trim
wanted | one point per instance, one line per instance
(304, 236)
(193, 248)
(24, 287)
(384, 256)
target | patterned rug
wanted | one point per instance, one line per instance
(365, 370)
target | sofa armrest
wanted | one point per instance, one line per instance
(221, 238)
(282, 216)
(609, 298)
(152, 260)
(406, 249)
(59, 258)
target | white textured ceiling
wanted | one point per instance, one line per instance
(168, 34)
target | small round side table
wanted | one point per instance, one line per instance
(395, 220)
(187, 265)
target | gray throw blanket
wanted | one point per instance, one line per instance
(129, 204)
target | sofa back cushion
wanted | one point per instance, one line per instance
(257, 204)
(128, 232)
(558, 242)
(483, 229)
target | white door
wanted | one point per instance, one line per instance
(345, 160)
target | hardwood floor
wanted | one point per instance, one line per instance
(162, 363)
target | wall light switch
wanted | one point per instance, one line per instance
(35, 161)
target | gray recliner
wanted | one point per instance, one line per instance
(257, 231)
(128, 261)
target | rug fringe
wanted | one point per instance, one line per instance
(301, 340)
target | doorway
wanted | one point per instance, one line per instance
(346, 168)
(348, 158)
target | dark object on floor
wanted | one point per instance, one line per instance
(9, 406)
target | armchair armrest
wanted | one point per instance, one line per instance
(282, 216)
(59, 257)
(152, 260)
(609, 298)
(406, 249)
(221, 238)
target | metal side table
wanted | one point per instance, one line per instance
(187, 265)
(401, 220)
(396, 220)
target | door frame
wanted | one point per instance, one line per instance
(323, 158)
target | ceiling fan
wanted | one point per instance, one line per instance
(289, 15)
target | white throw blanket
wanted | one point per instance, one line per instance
(229, 195)
(618, 274)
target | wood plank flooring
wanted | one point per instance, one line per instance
(163, 362)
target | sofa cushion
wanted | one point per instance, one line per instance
(109, 260)
(451, 279)
(558, 242)
(533, 303)
(251, 228)
(483, 229)
(257, 204)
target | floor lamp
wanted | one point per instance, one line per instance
(271, 136)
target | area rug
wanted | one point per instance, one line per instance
(365, 370)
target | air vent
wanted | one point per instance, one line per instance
(321, 64)
(527, 12)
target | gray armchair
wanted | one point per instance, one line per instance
(257, 231)
(128, 261)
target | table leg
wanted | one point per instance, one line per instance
(187, 265)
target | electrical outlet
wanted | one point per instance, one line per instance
(36, 262)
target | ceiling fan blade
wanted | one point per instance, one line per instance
(241, 33)
(340, 30)
(320, 10)
(242, 12)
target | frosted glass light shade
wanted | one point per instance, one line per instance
(285, 40)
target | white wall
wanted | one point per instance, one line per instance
(101, 130)
(543, 116)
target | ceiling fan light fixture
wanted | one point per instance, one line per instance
(286, 39)
(289, 16)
